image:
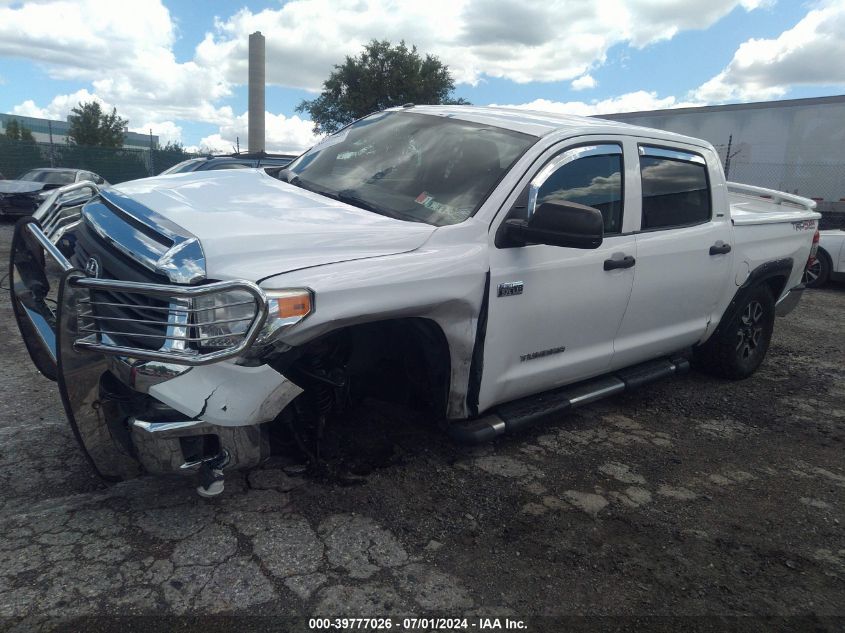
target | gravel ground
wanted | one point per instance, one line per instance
(691, 497)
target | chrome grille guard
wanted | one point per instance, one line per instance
(38, 269)
(62, 209)
(101, 333)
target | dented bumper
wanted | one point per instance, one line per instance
(136, 410)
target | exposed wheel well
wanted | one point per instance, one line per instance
(404, 360)
(776, 285)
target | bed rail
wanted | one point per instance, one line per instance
(775, 196)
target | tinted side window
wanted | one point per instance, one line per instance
(675, 192)
(595, 181)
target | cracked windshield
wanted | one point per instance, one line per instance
(415, 167)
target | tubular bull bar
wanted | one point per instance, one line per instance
(62, 209)
(122, 434)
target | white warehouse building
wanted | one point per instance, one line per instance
(795, 145)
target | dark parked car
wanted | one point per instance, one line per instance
(22, 196)
(231, 161)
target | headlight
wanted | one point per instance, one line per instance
(222, 319)
(285, 307)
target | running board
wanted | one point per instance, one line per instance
(512, 416)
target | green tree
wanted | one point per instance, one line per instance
(89, 125)
(174, 147)
(383, 76)
(16, 131)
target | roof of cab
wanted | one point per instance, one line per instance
(544, 123)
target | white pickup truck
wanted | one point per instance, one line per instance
(493, 265)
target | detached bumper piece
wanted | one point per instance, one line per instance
(84, 332)
(519, 414)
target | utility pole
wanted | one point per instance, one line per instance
(728, 156)
(50, 129)
(152, 155)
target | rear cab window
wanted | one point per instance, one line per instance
(676, 188)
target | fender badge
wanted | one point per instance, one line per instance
(510, 288)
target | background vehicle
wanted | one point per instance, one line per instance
(830, 259)
(22, 196)
(230, 161)
(490, 265)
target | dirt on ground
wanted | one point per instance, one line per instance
(692, 497)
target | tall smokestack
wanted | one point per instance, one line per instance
(256, 92)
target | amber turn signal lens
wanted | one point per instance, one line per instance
(286, 305)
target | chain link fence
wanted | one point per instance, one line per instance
(821, 181)
(113, 164)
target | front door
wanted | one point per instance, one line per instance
(554, 311)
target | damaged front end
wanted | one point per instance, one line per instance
(147, 370)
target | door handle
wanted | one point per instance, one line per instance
(622, 262)
(720, 248)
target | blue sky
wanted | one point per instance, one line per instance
(179, 66)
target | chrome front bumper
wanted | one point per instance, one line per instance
(109, 391)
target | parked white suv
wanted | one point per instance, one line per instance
(493, 265)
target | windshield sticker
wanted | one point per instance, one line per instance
(447, 210)
(334, 139)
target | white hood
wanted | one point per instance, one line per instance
(252, 226)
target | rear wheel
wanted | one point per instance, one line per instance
(738, 348)
(817, 273)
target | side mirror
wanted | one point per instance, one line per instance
(559, 223)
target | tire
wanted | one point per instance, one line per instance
(738, 347)
(817, 275)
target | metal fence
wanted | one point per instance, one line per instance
(825, 181)
(113, 164)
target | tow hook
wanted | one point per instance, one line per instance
(211, 475)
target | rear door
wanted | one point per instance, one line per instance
(684, 252)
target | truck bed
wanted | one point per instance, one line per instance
(758, 205)
(771, 224)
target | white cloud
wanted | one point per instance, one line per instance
(124, 49)
(123, 52)
(584, 82)
(282, 134)
(629, 102)
(810, 53)
(166, 131)
(59, 107)
(535, 40)
(648, 21)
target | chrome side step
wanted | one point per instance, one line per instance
(512, 416)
